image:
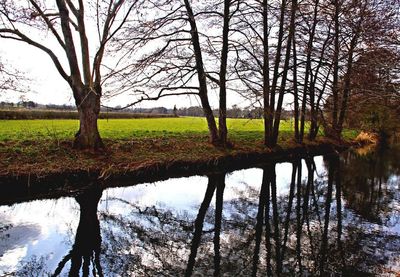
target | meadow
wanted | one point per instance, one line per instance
(37, 146)
(115, 129)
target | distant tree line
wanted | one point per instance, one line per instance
(195, 111)
(33, 105)
(234, 112)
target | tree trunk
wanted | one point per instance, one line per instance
(223, 130)
(295, 94)
(314, 115)
(313, 81)
(308, 75)
(278, 112)
(266, 80)
(88, 136)
(278, 55)
(203, 94)
(347, 79)
(212, 126)
(335, 85)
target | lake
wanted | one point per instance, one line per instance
(325, 215)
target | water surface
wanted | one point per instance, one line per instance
(331, 215)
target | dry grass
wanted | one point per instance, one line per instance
(49, 156)
(366, 138)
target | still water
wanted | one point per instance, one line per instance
(325, 216)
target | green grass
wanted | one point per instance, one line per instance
(349, 134)
(128, 128)
(37, 146)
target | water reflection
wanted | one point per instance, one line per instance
(333, 215)
(85, 252)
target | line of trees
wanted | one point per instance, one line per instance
(196, 111)
(269, 52)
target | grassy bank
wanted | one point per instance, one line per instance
(43, 147)
(129, 128)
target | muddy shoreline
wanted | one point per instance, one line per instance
(27, 187)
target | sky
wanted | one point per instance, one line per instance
(46, 86)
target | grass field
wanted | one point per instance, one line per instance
(44, 147)
(128, 128)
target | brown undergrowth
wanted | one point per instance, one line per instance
(46, 157)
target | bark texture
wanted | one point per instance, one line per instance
(88, 136)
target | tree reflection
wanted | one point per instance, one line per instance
(367, 183)
(85, 252)
(257, 233)
(318, 227)
(215, 182)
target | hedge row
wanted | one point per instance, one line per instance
(51, 114)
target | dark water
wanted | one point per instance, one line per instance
(324, 216)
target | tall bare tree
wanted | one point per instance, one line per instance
(69, 23)
(223, 130)
(359, 25)
(180, 56)
(201, 74)
(263, 66)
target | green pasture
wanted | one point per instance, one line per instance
(128, 128)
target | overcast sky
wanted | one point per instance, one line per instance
(48, 87)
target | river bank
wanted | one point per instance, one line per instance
(54, 167)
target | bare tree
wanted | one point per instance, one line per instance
(285, 71)
(263, 52)
(11, 80)
(375, 84)
(223, 130)
(358, 26)
(310, 65)
(201, 74)
(68, 22)
(167, 53)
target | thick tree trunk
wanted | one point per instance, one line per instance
(223, 130)
(212, 126)
(88, 136)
